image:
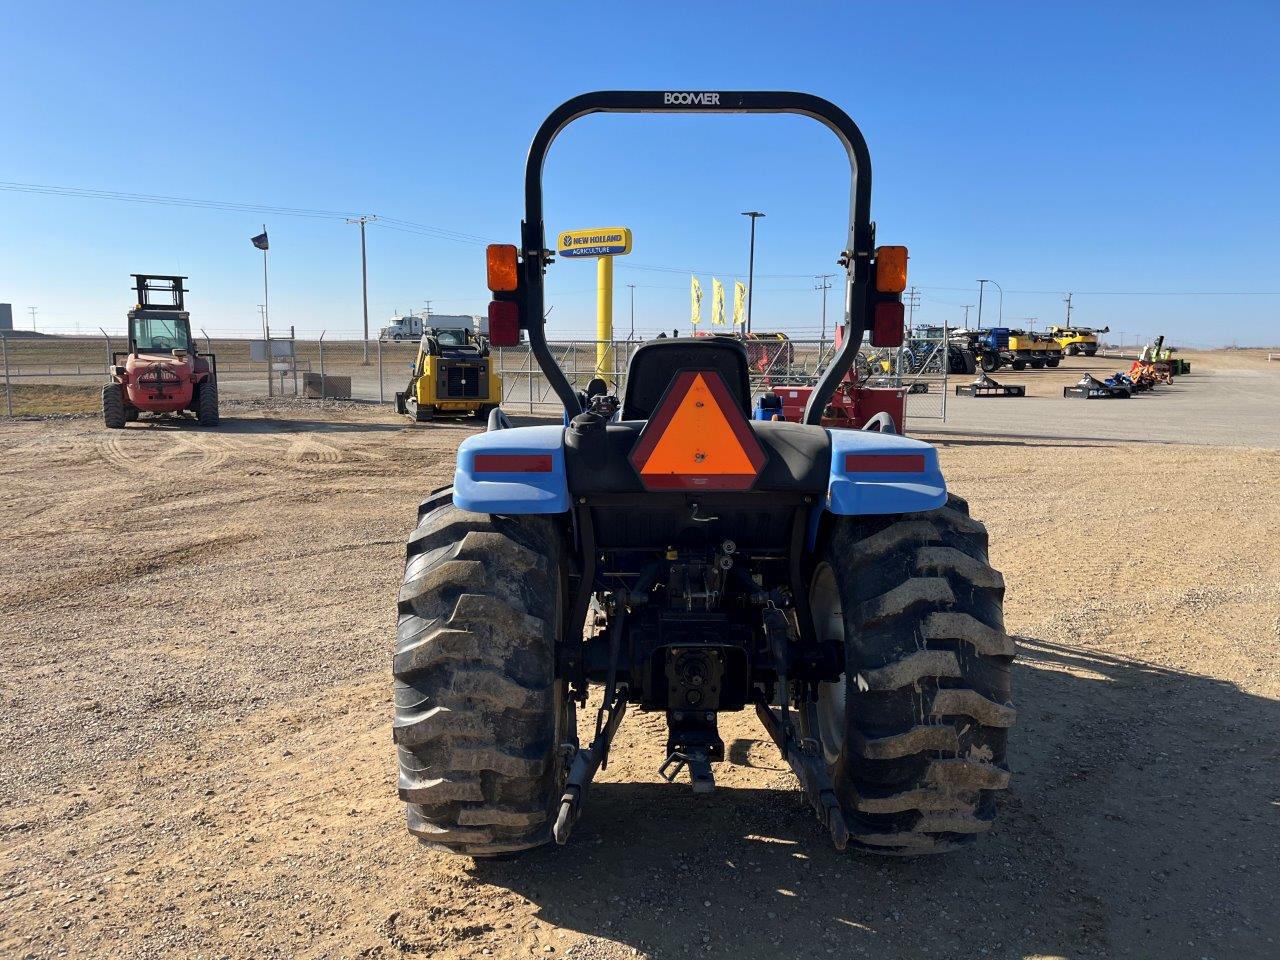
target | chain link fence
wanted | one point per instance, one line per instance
(52, 374)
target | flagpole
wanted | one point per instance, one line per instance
(266, 314)
(266, 300)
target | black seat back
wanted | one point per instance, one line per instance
(654, 365)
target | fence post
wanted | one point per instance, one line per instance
(322, 333)
(380, 397)
(107, 337)
(8, 391)
(946, 367)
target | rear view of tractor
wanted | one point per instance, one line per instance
(162, 372)
(671, 554)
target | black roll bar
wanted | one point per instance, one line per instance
(855, 257)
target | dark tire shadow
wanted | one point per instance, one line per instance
(1141, 820)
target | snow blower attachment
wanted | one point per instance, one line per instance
(984, 386)
(1090, 387)
(683, 558)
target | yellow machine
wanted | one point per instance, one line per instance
(1034, 349)
(452, 376)
(1077, 340)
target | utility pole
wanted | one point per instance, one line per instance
(632, 334)
(824, 284)
(364, 281)
(33, 317)
(913, 302)
(981, 284)
(1067, 301)
(751, 262)
(966, 315)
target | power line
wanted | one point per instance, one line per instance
(232, 206)
(237, 207)
(456, 236)
(1139, 293)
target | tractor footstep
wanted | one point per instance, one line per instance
(700, 775)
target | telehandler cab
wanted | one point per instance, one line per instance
(683, 558)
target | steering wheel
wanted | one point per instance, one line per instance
(163, 343)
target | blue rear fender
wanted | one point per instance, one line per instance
(517, 470)
(879, 473)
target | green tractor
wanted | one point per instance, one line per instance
(666, 552)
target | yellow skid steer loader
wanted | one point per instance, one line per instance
(452, 376)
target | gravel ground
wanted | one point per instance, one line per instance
(195, 712)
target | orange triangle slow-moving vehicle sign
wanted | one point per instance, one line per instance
(697, 439)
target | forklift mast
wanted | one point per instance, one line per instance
(158, 292)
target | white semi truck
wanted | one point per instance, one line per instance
(411, 327)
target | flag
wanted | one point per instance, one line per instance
(695, 295)
(739, 303)
(260, 241)
(717, 303)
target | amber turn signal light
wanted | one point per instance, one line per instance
(503, 274)
(891, 269)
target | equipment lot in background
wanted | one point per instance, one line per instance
(228, 789)
(1244, 388)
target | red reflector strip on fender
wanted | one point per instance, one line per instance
(513, 463)
(884, 463)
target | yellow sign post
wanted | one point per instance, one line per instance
(602, 243)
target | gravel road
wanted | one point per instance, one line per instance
(195, 717)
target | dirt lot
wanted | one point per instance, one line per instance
(194, 707)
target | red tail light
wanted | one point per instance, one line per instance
(887, 324)
(504, 323)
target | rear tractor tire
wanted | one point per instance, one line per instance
(482, 725)
(113, 406)
(207, 404)
(915, 733)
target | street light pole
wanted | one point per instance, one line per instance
(364, 281)
(632, 334)
(1000, 321)
(751, 262)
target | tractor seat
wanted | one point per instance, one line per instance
(654, 365)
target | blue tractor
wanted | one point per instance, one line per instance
(663, 551)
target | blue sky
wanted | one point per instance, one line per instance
(1114, 150)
